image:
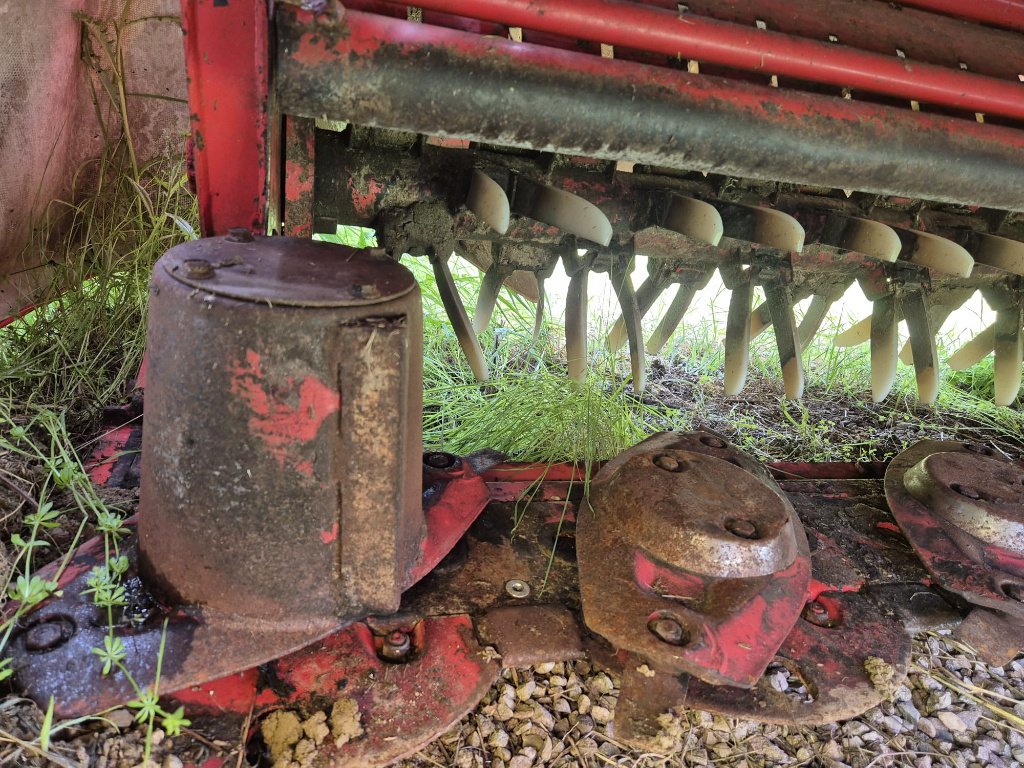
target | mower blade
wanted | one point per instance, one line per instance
(1009, 348)
(576, 325)
(631, 316)
(558, 208)
(486, 300)
(764, 226)
(936, 253)
(780, 304)
(695, 219)
(922, 342)
(488, 201)
(974, 350)
(648, 292)
(460, 320)
(882, 327)
(672, 317)
(737, 338)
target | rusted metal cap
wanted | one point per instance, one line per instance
(288, 271)
(982, 496)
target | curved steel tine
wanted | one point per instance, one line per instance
(882, 327)
(872, 238)
(488, 201)
(937, 253)
(737, 337)
(816, 312)
(858, 333)
(761, 317)
(694, 218)
(938, 312)
(765, 226)
(576, 316)
(538, 318)
(999, 252)
(974, 350)
(650, 289)
(922, 342)
(460, 320)
(780, 305)
(541, 275)
(623, 287)
(673, 316)
(569, 212)
(1009, 348)
(487, 299)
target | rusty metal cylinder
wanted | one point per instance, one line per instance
(281, 466)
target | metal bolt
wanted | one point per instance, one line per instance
(669, 464)
(440, 460)
(817, 614)
(517, 588)
(742, 528)
(397, 646)
(198, 269)
(712, 442)
(668, 630)
(49, 635)
(239, 235)
(966, 490)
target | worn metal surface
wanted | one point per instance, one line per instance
(339, 64)
(996, 639)
(400, 707)
(666, 31)
(227, 59)
(309, 484)
(690, 560)
(535, 634)
(969, 545)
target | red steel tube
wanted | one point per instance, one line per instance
(654, 30)
(1001, 13)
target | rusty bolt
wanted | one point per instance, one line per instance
(817, 614)
(712, 442)
(239, 235)
(49, 635)
(966, 490)
(517, 588)
(668, 630)
(742, 528)
(669, 464)
(1014, 591)
(440, 460)
(198, 269)
(396, 647)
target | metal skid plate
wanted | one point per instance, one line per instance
(509, 593)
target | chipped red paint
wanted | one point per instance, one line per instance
(366, 200)
(327, 537)
(463, 499)
(108, 449)
(284, 417)
(299, 171)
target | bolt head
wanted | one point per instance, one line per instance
(744, 529)
(669, 463)
(198, 269)
(517, 588)
(48, 635)
(668, 630)
(396, 647)
(239, 235)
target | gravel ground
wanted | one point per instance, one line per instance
(952, 711)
